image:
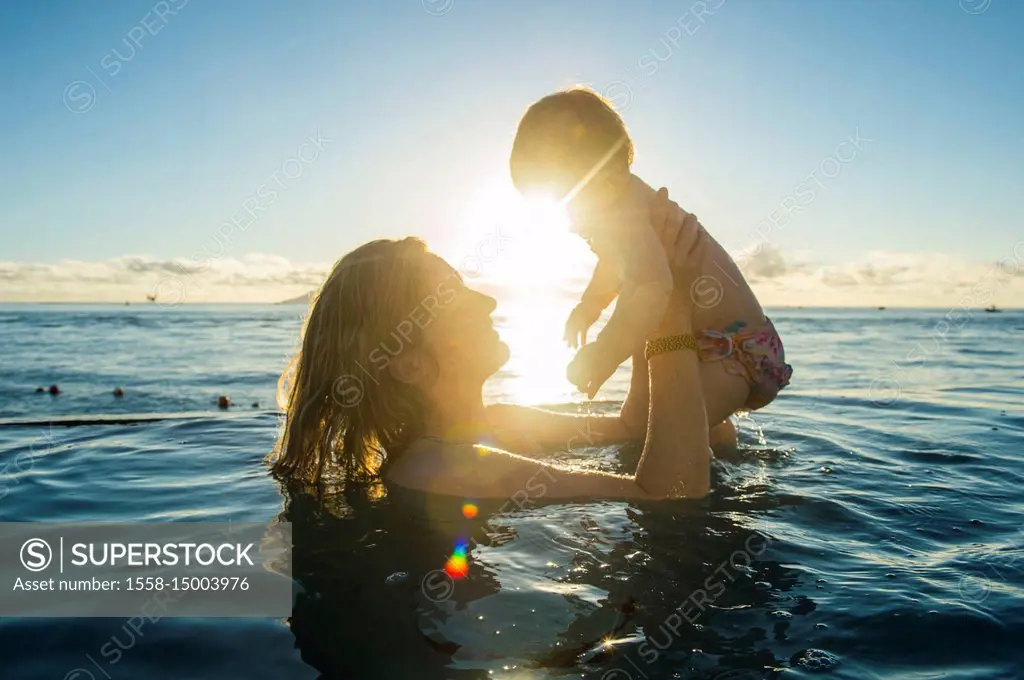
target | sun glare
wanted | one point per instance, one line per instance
(522, 241)
(523, 252)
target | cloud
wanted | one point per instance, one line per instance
(252, 278)
(837, 279)
(875, 278)
(764, 262)
(885, 278)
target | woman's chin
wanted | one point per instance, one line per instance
(497, 355)
(501, 354)
(483, 359)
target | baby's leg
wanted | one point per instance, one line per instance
(724, 392)
(723, 438)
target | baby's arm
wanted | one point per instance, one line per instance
(647, 287)
(603, 287)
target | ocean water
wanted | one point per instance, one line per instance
(869, 527)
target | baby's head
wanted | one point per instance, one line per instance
(569, 141)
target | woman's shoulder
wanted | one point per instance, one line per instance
(426, 459)
(454, 468)
(417, 455)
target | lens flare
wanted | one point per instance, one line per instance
(457, 567)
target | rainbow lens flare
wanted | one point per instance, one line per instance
(457, 567)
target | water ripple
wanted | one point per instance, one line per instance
(855, 534)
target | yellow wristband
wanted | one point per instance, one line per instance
(669, 343)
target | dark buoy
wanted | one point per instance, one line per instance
(54, 390)
(118, 392)
(40, 390)
(255, 404)
(223, 401)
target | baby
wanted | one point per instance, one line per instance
(573, 144)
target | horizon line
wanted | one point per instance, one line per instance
(149, 304)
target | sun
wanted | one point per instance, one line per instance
(524, 253)
(524, 244)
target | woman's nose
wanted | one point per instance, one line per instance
(484, 302)
(489, 303)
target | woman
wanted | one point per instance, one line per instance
(390, 377)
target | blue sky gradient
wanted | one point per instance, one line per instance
(115, 148)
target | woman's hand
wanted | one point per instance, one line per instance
(671, 224)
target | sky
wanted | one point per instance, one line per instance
(846, 153)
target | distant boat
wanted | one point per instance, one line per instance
(992, 309)
(151, 298)
(881, 307)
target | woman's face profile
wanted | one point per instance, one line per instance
(457, 327)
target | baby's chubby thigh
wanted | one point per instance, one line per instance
(724, 392)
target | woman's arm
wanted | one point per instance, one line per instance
(636, 406)
(549, 428)
(566, 430)
(669, 223)
(675, 462)
(677, 454)
(633, 415)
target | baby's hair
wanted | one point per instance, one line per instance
(583, 134)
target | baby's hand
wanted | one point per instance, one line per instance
(580, 320)
(589, 369)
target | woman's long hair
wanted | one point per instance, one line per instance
(345, 414)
